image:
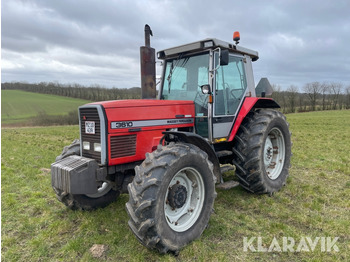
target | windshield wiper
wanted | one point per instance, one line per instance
(170, 75)
(172, 68)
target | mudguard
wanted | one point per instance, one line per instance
(249, 104)
(191, 138)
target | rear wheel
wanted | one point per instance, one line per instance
(104, 196)
(262, 151)
(171, 197)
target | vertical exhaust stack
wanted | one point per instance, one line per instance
(148, 67)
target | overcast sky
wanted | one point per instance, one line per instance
(97, 42)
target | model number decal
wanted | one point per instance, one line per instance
(145, 123)
(122, 124)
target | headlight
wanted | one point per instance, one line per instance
(86, 145)
(97, 147)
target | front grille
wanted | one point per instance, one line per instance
(90, 114)
(122, 146)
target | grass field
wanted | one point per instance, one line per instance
(315, 203)
(19, 106)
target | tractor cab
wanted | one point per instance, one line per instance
(216, 75)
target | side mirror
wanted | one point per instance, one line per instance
(224, 57)
(205, 89)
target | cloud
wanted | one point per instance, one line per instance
(97, 42)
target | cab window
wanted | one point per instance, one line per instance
(230, 86)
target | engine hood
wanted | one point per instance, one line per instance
(143, 115)
(140, 103)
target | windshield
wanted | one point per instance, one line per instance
(184, 76)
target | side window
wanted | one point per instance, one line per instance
(230, 86)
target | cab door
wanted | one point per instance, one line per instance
(230, 89)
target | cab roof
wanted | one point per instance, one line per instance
(206, 44)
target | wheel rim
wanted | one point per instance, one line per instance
(101, 191)
(274, 153)
(184, 199)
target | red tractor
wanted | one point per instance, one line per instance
(169, 153)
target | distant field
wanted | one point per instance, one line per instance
(19, 106)
(315, 203)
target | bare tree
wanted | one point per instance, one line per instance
(347, 97)
(325, 91)
(313, 91)
(278, 95)
(292, 95)
(335, 90)
(301, 103)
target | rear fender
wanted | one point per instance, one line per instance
(194, 139)
(249, 104)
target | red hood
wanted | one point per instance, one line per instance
(122, 112)
(141, 103)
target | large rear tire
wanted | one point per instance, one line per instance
(171, 197)
(262, 151)
(105, 195)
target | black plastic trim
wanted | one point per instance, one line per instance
(106, 133)
(223, 119)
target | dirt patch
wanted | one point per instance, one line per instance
(98, 251)
(45, 171)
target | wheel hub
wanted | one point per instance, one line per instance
(177, 196)
(274, 153)
(268, 151)
(184, 199)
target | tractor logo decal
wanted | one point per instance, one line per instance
(146, 123)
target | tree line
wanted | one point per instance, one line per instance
(93, 93)
(311, 97)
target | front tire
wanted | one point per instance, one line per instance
(104, 196)
(262, 151)
(171, 197)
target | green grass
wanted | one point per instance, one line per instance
(19, 106)
(315, 203)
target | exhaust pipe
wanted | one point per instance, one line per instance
(148, 67)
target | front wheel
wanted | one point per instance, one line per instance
(262, 151)
(171, 197)
(104, 196)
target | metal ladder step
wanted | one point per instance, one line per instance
(223, 153)
(226, 168)
(227, 185)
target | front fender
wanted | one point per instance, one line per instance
(194, 139)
